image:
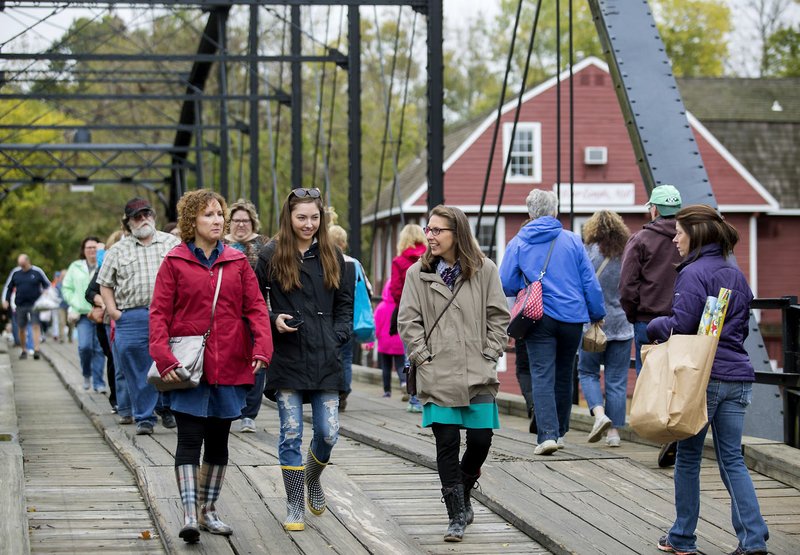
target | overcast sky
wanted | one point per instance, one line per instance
(14, 21)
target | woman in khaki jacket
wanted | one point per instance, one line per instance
(456, 367)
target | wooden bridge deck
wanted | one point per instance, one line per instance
(382, 486)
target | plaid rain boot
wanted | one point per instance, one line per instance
(210, 481)
(316, 497)
(295, 510)
(186, 475)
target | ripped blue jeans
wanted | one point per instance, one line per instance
(324, 418)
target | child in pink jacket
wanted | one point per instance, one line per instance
(390, 347)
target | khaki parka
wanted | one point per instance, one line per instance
(460, 358)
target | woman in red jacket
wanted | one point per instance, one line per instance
(411, 245)
(239, 344)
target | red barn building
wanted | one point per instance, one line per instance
(606, 174)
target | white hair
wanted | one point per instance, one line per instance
(542, 203)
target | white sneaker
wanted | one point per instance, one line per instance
(560, 443)
(547, 447)
(601, 424)
(248, 426)
(612, 441)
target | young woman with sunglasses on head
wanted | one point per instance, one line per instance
(309, 293)
(456, 358)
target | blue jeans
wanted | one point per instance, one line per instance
(616, 360)
(132, 343)
(726, 402)
(91, 355)
(640, 338)
(387, 362)
(552, 346)
(324, 418)
(254, 396)
(346, 356)
(123, 396)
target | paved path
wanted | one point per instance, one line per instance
(384, 493)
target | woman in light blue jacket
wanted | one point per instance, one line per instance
(79, 274)
(572, 297)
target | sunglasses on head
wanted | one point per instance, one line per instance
(300, 193)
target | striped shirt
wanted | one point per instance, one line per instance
(130, 268)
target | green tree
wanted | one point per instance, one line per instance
(694, 33)
(782, 53)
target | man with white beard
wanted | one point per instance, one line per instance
(126, 279)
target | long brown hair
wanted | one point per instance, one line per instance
(467, 251)
(705, 226)
(285, 265)
(608, 231)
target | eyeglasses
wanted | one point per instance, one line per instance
(435, 231)
(241, 222)
(142, 215)
(300, 193)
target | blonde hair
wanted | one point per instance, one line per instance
(410, 236)
(250, 208)
(114, 237)
(338, 236)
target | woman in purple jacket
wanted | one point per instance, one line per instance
(705, 240)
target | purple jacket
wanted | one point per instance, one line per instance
(697, 280)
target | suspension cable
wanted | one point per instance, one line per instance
(327, 152)
(320, 96)
(571, 126)
(387, 97)
(514, 127)
(396, 157)
(502, 101)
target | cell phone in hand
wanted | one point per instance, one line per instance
(293, 322)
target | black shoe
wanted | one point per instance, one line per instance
(190, 533)
(666, 457)
(37, 355)
(23, 355)
(168, 420)
(532, 426)
(144, 429)
(343, 401)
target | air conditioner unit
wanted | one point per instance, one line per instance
(595, 155)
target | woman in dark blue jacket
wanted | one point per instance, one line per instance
(705, 240)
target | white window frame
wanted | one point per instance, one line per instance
(536, 129)
(500, 238)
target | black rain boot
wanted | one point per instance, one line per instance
(469, 484)
(453, 498)
(316, 495)
(295, 510)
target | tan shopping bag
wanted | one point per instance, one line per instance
(669, 401)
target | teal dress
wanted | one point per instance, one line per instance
(482, 410)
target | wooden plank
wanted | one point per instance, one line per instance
(13, 518)
(541, 516)
(378, 532)
(321, 532)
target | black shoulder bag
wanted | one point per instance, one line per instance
(410, 368)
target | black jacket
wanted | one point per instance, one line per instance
(309, 358)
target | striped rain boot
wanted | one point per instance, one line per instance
(210, 482)
(469, 484)
(186, 475)
(316, 497)
(295, 510)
